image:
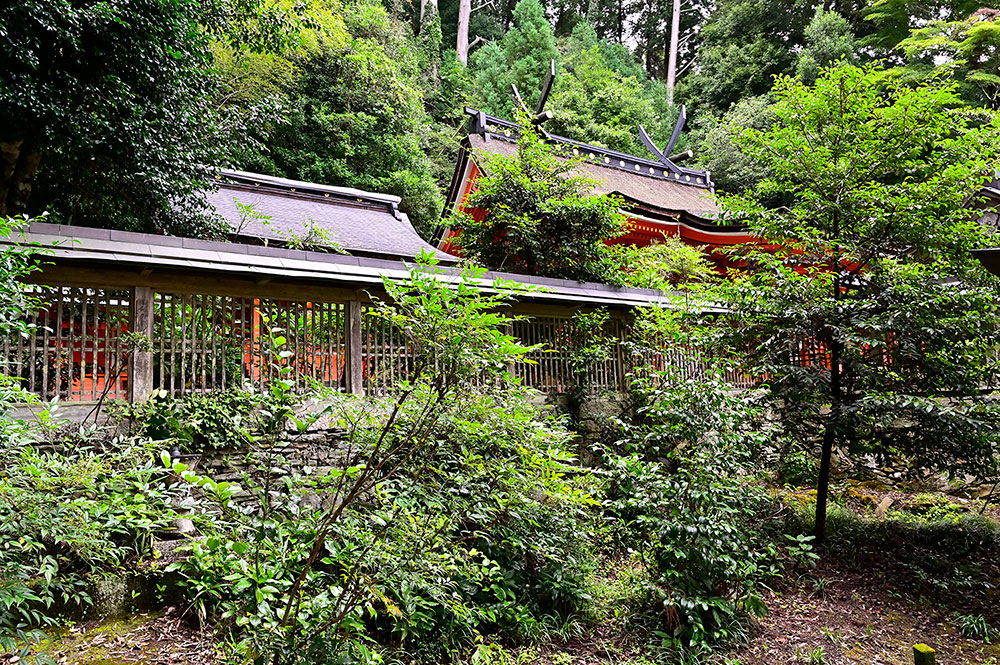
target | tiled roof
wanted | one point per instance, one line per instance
(362, 223)
(634, 186)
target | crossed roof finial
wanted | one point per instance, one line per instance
(540, 115)
(662, 156)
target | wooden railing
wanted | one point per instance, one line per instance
(89, 343)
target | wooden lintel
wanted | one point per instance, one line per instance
(181, 282)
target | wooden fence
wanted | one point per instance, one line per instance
(88, 343)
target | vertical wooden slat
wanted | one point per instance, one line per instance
(94, 338)
(342, 345)
(32, 343)
(60, 319)
(175, 366)
(19, 364)
(203, 347)
(81, 341)
(106, 357)
(326, 341)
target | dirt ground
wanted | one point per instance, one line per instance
(855, 619)
(145, 639)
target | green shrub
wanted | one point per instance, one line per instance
(200, 422)
(68, 516)
(798, 468)
(679, 495)
(454, 511)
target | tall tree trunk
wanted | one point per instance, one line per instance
(675, 33)
(423, 14)
(10, 150)
(19, 161)
(621, 22)
(836, 397)
(826, 458)
(649, 52)
(24, 175)
(462, 43)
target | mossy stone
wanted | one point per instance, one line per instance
(923, 655)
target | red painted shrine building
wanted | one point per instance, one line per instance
(661, 198)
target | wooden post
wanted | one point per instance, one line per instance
(140, 372)
(923, 655)
(354, 367)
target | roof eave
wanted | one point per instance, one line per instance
(147, 251)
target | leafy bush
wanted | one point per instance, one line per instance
(67, 516)
(454, 510)
(797, 468)
(678, 493)
(198, 422)
(541, 215)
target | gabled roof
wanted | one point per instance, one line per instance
(639, 180)
(361, 223)
(636, 186)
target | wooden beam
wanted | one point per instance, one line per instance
(181, 282)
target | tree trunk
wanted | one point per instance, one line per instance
(18, 164)
(24, 174)
(675, 33)
(620, 27)
(9, 153)
(833, 419)
(462, 43)
(423, 14)
(823, 484)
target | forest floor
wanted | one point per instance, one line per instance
(863, 605)
(858, 617)
(156, 638)
(872, 595)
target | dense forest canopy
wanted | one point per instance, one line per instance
(371, 94)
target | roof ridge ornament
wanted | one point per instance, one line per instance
(662, 156)
(540, 115)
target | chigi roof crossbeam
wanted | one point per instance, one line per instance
(665, 167)
(491, 127)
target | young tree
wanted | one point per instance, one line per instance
(540, 218)
(828, 39)
(968, 49)
(733, 171)
(355, 110)
(867, 320)
(744, 45)
(594, 104)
